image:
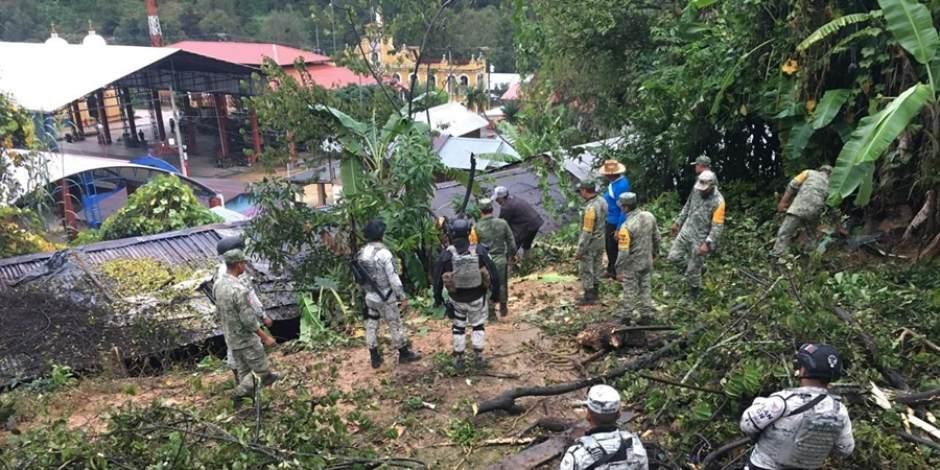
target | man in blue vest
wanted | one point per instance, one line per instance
(617, 185)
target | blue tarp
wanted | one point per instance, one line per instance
(154, 162)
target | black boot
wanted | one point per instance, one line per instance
(375, 357)
(478, 361)
(459, 361)
(270, 378)
(588, 298)
(406, 355)
(503, 309)
(694, 293)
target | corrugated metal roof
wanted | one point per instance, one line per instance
(455, 153)
(453, 119)
(251, 53)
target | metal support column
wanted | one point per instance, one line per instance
(220, 118)
(103, 116)
(255, 137)
(158, 111)
(129, 111)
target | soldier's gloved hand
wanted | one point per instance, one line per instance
(703, 249)
(674, 230)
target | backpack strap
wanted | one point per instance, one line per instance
(808, 405)
(619, 455)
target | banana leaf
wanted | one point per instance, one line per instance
(855, 165)
(911, 24)
(829, 106)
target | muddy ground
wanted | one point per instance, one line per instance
(422, 410)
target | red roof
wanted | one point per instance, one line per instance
(331, 76)
(512, 94)
(250, 53)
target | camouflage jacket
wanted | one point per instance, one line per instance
(496, 235)
(253, 298)
(638, 241)
(238, 319)
(768, 419)
(593, 218)
(703, 219)
(379, 262)
(602, 441)
(811, 188)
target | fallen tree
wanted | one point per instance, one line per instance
(506, 401)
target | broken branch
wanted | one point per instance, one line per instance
(871, 350)
(728, 447)
(507, 400)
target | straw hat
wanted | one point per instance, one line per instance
(612, 167)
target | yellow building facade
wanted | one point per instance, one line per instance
(398, 64)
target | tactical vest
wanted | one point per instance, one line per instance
(603, 459)
(811, 441)
(466, 268)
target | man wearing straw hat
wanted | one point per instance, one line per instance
(617, 184)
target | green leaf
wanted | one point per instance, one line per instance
(911, 24)
(870, 139)
(797, 140)
(835, 26)
(829, 106)
(352, 174)
(344, 119)
(700, 4)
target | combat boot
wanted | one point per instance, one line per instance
(503, 310)
(406, 355)
(588, 298)
(375, 358)
(478, 360)
(270, 378)
(459, 363)
(694, 293)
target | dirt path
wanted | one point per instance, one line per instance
(412, 409)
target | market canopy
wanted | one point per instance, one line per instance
(47, 77)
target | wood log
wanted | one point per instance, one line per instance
(871, 350)
(919, 398)
(506, 401)
(724, 449)
(919, 440)
(541, 453)
(922, 215)
(614, 335)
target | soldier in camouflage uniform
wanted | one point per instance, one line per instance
(497, 236)
(800, 427)
(807, 192)
(638, 242)
(383, 304)
(590, 253)
(604, 446)
(697, 230)
(243, 333)
(468, 273)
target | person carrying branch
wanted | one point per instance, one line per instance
(638, 243)
(604, 446)
(497, 236)
(374, 270)
(590, 254)
(467, 272)
(243, 334)
(801, 205)
(697, 230)
(799, 428)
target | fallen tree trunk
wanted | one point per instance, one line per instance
(614, 335)
(871, 350)
(507, 400)
(724, 449)
(540, 453)
(919, 398)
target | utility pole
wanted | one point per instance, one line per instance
(153, 24)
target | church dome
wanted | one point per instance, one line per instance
(93, 39)
(55, 40)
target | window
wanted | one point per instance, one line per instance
(396, 78)
(480, 81)
(432, 82)
(451, 84)
(464, 81)
(375, 57)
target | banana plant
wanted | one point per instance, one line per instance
(912, 26)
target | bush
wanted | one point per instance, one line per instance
(20, 233)
(162, 205)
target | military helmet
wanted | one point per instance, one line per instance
(603, 400)
(459, 228)
(588, 184)
(627, 199)
(820, 361)
(374, 230)
(826, 168)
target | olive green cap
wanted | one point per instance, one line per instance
(234, 256)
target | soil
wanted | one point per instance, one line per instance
(520, 353)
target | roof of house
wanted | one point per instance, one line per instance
(513, 93)
(41, 77)
(333, 76)
(498, 80)
(251, 53)
(455, 152)
(453, 119)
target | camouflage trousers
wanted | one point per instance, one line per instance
(251, 363)
(789, 229)
(637, 296)
(684, 254)
(591, 267)
(387, 311)
(502, 268)
(472, 314)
